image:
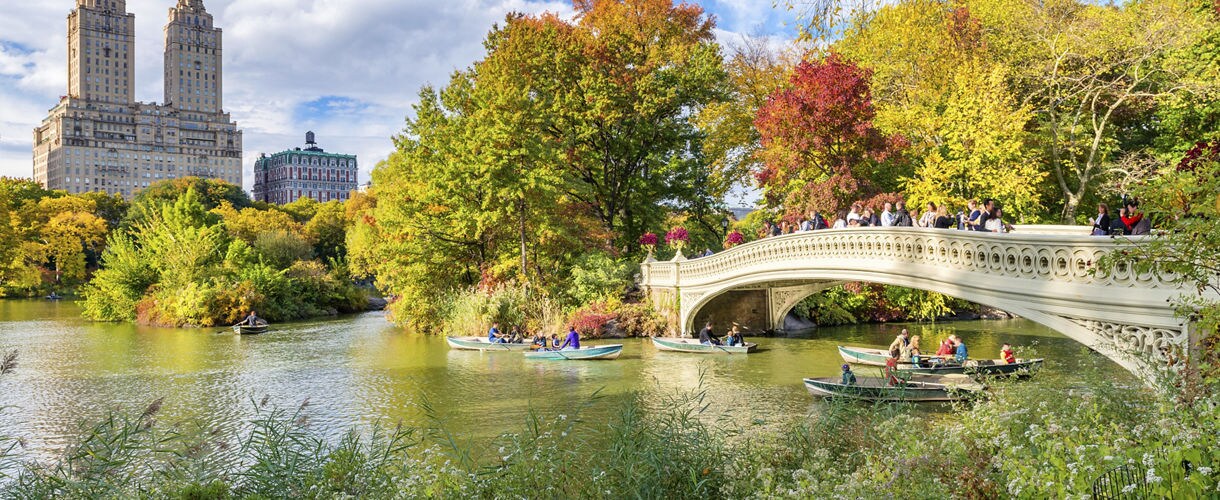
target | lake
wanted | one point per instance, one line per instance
(358, 370)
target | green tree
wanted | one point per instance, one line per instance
(210, 193)
(327, 229)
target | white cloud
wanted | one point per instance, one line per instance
(361, 61)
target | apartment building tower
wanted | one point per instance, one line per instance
(298, 173)
(99, 138)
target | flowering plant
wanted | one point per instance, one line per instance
(677, 237)
(735, 238)
(649, 241)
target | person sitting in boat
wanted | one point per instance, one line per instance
(959, 353)
(539, 341)
(494, 336)
(946, 347)
(1007, 355)
(515, 336)
(250, 320)
(735, 338)
(573, 340)
(554, 342)
(891, 372)
(900, 342)
(910, 353)
(849, 377)
(707, 336)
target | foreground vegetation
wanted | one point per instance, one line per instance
(1018, 443)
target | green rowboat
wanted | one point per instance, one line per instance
(693, 345)
(941, 388)
(482, 344)
(586, 352)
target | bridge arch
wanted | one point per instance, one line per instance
(1044, 274)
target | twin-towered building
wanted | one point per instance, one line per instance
(98, 138)
(289, 175)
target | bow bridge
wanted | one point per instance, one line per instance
(1042, 273)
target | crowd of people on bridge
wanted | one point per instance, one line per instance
(1129, 221)
(987, 216)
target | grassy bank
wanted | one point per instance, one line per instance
(1031, 440)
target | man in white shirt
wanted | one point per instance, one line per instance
(887, 215)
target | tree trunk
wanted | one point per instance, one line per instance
(521, 233)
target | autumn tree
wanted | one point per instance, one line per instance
(820, 147)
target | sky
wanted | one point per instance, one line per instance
(348, 70)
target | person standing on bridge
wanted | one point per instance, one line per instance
(1101, 224)
(887, 215)
(902, 217)
(928, 218)
(707, 336)
(840, 223)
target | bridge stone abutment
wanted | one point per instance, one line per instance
(1046, 274)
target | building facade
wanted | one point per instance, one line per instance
(289, 175)
(98, 138)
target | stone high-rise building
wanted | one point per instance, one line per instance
(98, 138)
(287, 176)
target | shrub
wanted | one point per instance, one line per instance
(640, 320)
(592, 319)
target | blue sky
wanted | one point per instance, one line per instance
(346, 69)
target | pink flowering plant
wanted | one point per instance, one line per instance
(677, 237)
(649, 241)
(734, 238)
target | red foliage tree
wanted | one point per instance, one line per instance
(820, 148)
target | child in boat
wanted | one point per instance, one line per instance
(960, 354)
(554, 341)
(1007, 355)
(735, 338)
(849, 378)
(910, 353)
(891, 372)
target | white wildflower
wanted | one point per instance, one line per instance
(1206, 471)
(1151, 477)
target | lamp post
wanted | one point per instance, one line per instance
(724, 227)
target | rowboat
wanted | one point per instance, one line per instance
(482, 344)
(611, 351)
(939, 388)
(693, 345)
(250, 330)
(986, 367)
(864, 355)
(980, 367)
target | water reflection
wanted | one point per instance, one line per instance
(359, 370)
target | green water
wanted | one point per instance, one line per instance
(360, 369)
